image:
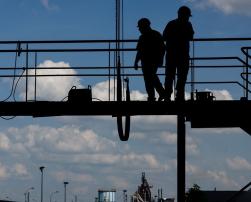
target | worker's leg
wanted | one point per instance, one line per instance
(169, 75)
(182, 72)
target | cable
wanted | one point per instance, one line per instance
(7, 119)
(14, 92)
(14, 76)
(97, 99)
(13, 82)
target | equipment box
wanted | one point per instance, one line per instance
(80, 95)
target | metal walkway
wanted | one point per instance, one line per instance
(202, 113)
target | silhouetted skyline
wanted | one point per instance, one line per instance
(86, 151)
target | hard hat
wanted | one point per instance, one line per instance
(184, 10)
(144, 22)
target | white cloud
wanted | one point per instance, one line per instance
(191, 146)
(168, 138)
(51, 88)
(218, 178)
(141, 160)
(138, 136)
(118, 182)
(219, 131)
(62, 139)
(242, 7)
(45, 3)
(136, 160)
(3, 172)
(100, 91)
(68, 175)
(192, 169)
(221, 94)
(239, 163)
(20, 170)
(137, 95)
(48, 5)
(154, 119)
(82, 145)
(4, 142)
(222, 178)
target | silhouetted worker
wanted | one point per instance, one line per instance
(150, 51)
(177, 35)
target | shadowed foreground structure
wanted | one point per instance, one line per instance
(201, 113)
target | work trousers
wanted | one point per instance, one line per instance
(180, 63)
(152, 81)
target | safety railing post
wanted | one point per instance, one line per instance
(27, 74)
(109, 71)
(35, 88)
(247, 67)
(192, 71)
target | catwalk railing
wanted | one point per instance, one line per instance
(46, 70)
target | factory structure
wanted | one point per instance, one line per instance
(142, 194)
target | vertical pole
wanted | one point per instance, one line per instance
(65, 192)
(192, 73)
(181, 157)
(117, 53)
(27, 65)
(42, 183)
(35, 88)
(247, 74)
(109, 72)
(65, 183)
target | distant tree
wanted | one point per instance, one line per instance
(194, 194)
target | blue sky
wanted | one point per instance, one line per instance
(86, 151)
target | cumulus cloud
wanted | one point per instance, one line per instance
(63, 139)
(51, 88)
(65, 175)
(217, 177)
(154, 119)
(192, 169)
(239, 163)
(3, 172)
(48, 5)
(81, 145)
(226, 6)
(4, 142)
(143, 161)
(221, 94)
(101, 91)
(20, 170)
(168, 138)
(222, 178)
(191, 146)
(118, 182)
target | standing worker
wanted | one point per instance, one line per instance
(150, 51)
(177, 35)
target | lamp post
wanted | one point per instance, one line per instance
(125, 195)
(27, 194)
(55, 192)
(42, 176)
(65, 183)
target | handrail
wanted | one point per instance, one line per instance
(36, 50)
(114, 41)
(239, 192)
(113, 47)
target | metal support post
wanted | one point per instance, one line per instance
(247, 74)
(181, 157)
